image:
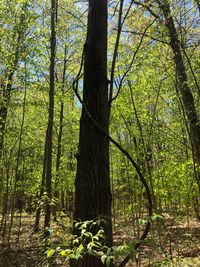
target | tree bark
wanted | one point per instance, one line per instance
(5, 96)
(60, 136)
(92, 184)
(51, 117)
(42, 188)
(185, 91)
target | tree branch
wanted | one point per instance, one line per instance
(128, 156)
(132, 61)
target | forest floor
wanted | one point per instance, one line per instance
(171, 242)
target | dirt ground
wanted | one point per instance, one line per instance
(171, 242)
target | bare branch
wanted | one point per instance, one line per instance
(146, 35)
(119, 30)
(128, 156)
(132, 61)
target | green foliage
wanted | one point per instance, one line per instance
(146, 119)
(88, 241)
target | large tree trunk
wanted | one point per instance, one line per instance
(186, 94)
(92, 185)
(185, 91)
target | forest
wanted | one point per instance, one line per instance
(99, 133)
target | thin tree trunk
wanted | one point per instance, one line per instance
(60, 133)
(16, 179)
(50, 119)
(42, 187)
(6, 87)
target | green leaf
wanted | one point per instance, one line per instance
(50, 252)
(103, 258)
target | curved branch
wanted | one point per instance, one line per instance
(128, 156)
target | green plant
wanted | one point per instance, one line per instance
(87, 241)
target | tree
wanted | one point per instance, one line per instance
(9, 67)
(92, 184)
(185, 91)
(49, 132)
